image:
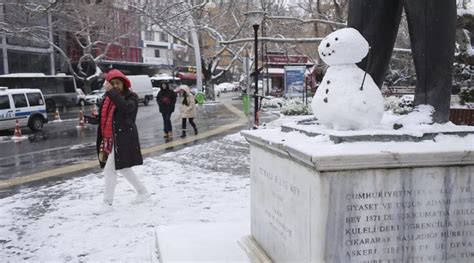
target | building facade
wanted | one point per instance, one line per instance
(162, 51)
(19, 54)
(133, 45)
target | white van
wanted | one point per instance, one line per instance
(25, 105)
(141, 85)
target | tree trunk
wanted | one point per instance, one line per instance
(210, 95)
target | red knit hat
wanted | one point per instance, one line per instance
(115, 73)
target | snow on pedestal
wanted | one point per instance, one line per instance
(348, 98)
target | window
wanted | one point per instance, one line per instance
(19, 100)
(23, 62)
(149, 36)
(164, 37)
(157, 53)
(35, 99)
(4, 102)
(19, 15)
(68, 84)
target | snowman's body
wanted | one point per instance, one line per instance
(341, 101)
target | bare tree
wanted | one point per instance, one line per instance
(76, 25)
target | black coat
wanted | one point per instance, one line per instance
(166, 93)
(126, 142)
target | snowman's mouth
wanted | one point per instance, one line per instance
(328, 54)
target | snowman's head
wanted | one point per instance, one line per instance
(344, 46)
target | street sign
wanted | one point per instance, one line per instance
(294, 81)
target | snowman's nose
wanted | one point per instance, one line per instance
(328, 45)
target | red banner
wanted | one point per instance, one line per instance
(286, 60)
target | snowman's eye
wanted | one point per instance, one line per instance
(328, 82)
(328, 45)
(337, 39)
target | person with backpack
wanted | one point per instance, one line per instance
(166, 100)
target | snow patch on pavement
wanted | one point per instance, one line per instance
(194, 190)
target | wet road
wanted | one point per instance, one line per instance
(62, 143)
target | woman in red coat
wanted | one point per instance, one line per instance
(118, 146)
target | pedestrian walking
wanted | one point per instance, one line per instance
(166, 100)
(118, 146)
(188, 109)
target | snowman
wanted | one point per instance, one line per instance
(348, 98)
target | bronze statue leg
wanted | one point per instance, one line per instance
(432, 25)
(377, 21)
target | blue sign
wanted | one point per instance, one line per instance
(294, 81)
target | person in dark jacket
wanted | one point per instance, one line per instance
(166, 99)
(118, 146)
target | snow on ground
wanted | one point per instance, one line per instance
(196, 190)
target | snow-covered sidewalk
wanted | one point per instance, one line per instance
(198, 211)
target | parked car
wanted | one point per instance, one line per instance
(237, 86)
(95, 97)
(141, 85)
(217, 91)
(28, 106)
(225, 87)
(81, 97)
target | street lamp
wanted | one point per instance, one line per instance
(256, 18)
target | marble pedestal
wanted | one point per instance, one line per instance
(370, 203)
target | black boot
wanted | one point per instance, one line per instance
(195, 131)
(183, 135)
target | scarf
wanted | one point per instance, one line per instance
(106, 125)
